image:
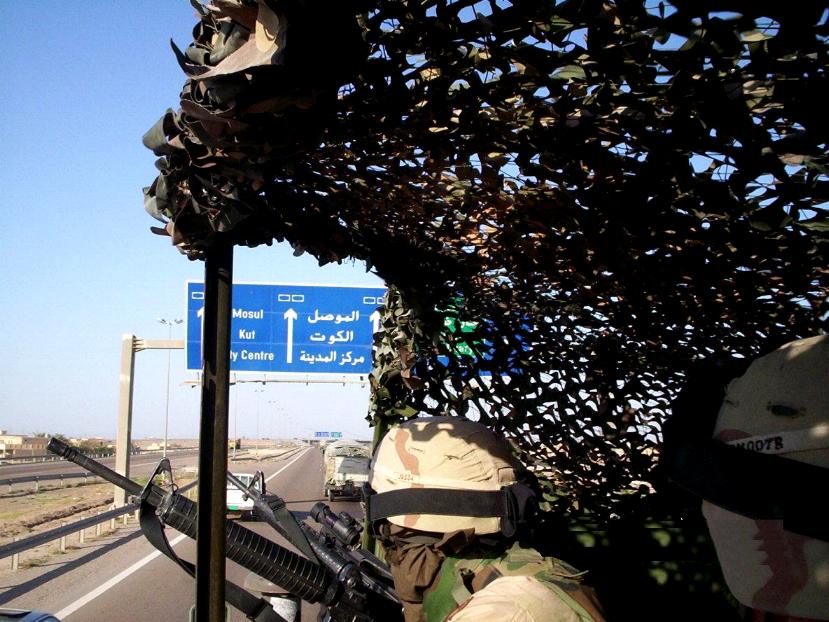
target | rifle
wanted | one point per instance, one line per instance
(350, 583)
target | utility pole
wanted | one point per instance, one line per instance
(169, 324)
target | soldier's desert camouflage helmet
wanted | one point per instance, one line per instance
(437, 454)
(780, 406)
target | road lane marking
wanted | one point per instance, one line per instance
(69, 610)
(83, 600)
(286, 466)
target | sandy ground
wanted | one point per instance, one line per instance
(24, 512)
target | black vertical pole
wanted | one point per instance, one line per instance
(215, 393)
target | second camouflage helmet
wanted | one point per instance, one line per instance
(449, 453)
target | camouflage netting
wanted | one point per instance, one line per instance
(570, 201)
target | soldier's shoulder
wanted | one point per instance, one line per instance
(518, 599)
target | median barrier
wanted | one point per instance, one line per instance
(18, 545)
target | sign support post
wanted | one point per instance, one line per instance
(130, 344)
(124, 440)
(213, 432)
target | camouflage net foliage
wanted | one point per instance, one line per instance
(570, 201)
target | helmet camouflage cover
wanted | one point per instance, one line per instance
(780, 406)
(443, 452)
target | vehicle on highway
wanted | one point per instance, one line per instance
(238, 503)
(346, 469)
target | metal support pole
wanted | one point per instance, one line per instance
(169, 324)
(123, 441)
(167, 394)
(211, 539)
(130, 344)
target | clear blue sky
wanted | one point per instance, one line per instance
(81, 83)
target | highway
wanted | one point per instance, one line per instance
(140, 464)
(122, 577)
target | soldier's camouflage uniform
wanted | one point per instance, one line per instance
(456, 567)
(520, 585)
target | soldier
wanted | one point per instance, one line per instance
(450, 505)
(761, 466)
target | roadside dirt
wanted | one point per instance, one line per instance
(25, 512)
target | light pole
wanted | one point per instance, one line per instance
(169, 324)
(275, 433)
(258, 393)
(235, 414)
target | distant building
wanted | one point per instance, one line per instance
(17, 445)
(160, 446)
(94, 445)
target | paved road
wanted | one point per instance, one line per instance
(126, 579)
(139, 464)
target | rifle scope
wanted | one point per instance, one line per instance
(275, 563)
(344, 526)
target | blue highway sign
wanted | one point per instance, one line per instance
(284, 328)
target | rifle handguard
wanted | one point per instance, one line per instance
(247, 548)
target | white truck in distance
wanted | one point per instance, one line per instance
(240, 503)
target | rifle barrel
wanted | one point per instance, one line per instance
(58, 447)
(296, 574)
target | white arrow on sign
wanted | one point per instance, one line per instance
(375, 321)
(291, 316)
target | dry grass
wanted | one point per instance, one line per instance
(20, 514)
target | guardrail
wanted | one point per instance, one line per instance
(45, 458)
(13, 549)
(53, 458)
(59, 533)
(43, 478)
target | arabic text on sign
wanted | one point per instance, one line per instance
(330, 317)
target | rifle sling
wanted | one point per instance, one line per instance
(256, 609)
